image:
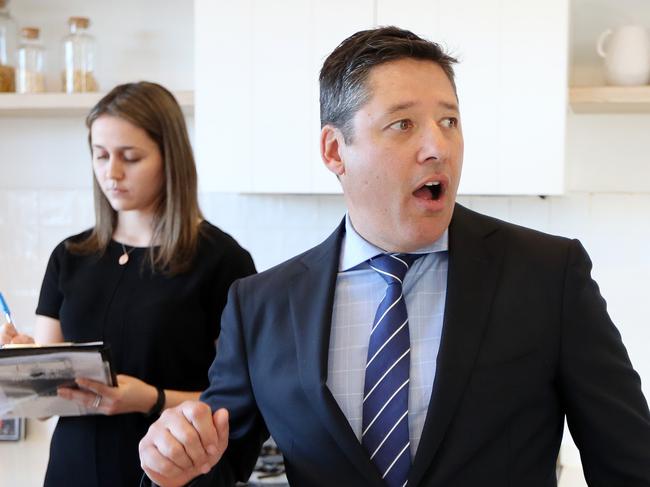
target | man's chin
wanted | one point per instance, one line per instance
(425, 231)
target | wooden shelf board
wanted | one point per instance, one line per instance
(610, 99)
(57, 104)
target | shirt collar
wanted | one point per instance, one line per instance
(356, 250)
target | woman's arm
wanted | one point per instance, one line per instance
(131, 395)
(47, 330)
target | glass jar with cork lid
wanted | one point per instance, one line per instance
(79, 56)
(30, 75)
(7, 49)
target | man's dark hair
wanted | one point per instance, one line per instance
(343, 87)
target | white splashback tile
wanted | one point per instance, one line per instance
(60, 159)
(608, 153)
(22, 208)
(331, 210)
(56, 207)
(570, 217)
(466, 201)
(496, 206)
(530, 211)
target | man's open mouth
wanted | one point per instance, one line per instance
(430, 191)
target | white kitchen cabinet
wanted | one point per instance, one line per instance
(257, 62)
(256, 82)
(512, 83)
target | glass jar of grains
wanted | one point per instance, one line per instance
(30, 74)
(7, 48)
(79, 56)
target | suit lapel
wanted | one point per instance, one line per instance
(311, 297)
(475, 254)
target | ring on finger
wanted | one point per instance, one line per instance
(97, 401)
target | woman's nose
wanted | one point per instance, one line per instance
(114, 168)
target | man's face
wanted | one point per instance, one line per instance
(400, 170)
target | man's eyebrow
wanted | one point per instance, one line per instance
(409, 104)
(449, 106)
(399, 106)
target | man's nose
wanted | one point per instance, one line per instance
(434, 144)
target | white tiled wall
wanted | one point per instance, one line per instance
(45, 196)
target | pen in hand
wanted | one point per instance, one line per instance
(8, 333)
(5, 309)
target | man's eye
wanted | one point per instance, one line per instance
(450, 122)
(100, 157)
(402, 125)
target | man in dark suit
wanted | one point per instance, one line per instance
(459, 372)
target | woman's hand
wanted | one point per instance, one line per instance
(9, 334)
(130, 396)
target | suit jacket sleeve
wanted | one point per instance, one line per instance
(230, 388)
(606, 411)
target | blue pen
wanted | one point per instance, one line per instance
(5, 309)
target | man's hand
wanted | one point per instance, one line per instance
(185, 442)
(9, 334)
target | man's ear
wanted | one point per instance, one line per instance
(331, 140)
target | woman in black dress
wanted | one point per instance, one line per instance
(150, 279)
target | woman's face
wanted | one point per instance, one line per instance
(127, 164)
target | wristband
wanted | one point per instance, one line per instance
(158, 406)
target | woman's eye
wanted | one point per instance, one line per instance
(100, 157)
(131, 156)
(402, 125)
(450, 122)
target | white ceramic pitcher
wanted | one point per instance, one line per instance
(626, 51)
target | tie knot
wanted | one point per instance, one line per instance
(393, 267)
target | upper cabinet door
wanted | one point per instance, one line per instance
(512, 85)
(256, 105)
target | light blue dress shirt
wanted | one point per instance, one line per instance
(358, 292)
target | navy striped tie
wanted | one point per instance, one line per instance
(385, 431)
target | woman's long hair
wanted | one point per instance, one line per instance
(176, 221)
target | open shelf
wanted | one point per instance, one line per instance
(610, 99)
(57, 104)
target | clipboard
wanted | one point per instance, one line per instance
(30, 376)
